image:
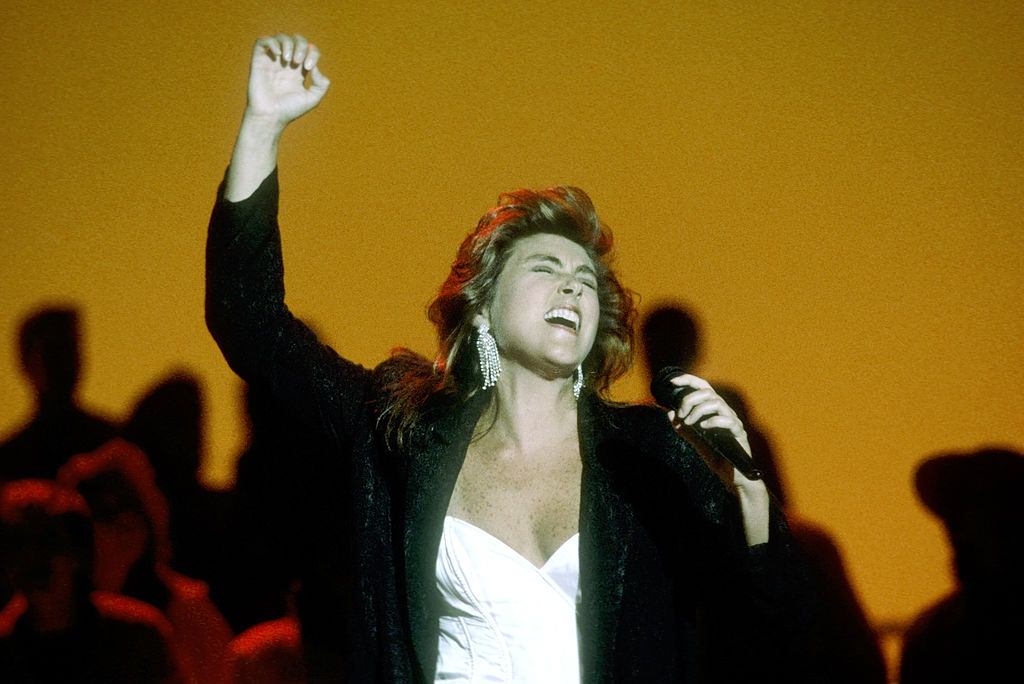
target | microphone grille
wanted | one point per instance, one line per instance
(662, 389)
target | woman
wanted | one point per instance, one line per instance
(506, 523)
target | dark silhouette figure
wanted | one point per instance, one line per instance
(287, 527)
(48, 346)
(265, 521)
(841, 647)
(56, 628)
(974, 634)
(670, 334)
(166, 423)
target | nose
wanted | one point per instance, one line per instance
(573, 286)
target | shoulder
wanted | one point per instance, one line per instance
(635, 414)
(944, 616)
(402, 365)
(644, 425)
(638, 433)
(182, 587)
(124, 611)
(87, 419)
(641, 436)
(11, 613)
(269, 651)
(135, 638)
(282, 633)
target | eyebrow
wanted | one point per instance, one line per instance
(585, 268)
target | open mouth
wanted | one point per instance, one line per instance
(566, 318)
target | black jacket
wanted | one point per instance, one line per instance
(670, 590)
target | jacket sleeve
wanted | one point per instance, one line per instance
(762, 602)
(260, 338)
(754, 601)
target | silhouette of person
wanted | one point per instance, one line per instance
(48, 346)
(287, 476)
(267, 533)
(57, 628)
(841, 646)
(671, 336)
(130, 524)
(262, 523)
(844, 647)
(973, 634)
(166, 423)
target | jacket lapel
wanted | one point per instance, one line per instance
(606, 528)
(434, 460)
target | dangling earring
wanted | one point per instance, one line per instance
(487, 350)
(577, 383)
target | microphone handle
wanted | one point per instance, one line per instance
(720, 440)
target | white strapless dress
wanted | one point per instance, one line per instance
(505, 619)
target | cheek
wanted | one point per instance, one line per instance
(594, 321)
(503, 300)
(516, 303)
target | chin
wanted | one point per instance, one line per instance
(564, 368)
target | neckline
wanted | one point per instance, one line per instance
(524, 559)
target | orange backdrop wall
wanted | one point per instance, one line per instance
(835, 188)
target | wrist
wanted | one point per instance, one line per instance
(755, 504)
(254, 156)
(262, 128)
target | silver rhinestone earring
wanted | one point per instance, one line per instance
(487, 350)
(577, 383)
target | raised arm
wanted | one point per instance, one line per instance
(277, 96)
(245, 308)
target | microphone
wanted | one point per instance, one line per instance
(720, 440)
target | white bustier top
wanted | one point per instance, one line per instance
(504, 619)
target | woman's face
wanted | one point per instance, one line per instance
(544, 313)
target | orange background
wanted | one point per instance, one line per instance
(834, 187)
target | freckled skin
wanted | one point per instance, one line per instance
(529, 500)
(521, 478)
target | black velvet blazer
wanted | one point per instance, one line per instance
(670, 590)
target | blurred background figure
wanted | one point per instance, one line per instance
(670, 335)
(56, 628)
(287, 548)
(975, 633)
(268, 653)
(166, 423)
(842, 648)
(50, 357)
(130, 525)
(267, 522)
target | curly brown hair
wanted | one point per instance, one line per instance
(563, 210)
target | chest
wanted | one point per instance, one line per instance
(528, 500)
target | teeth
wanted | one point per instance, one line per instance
(564, 314)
